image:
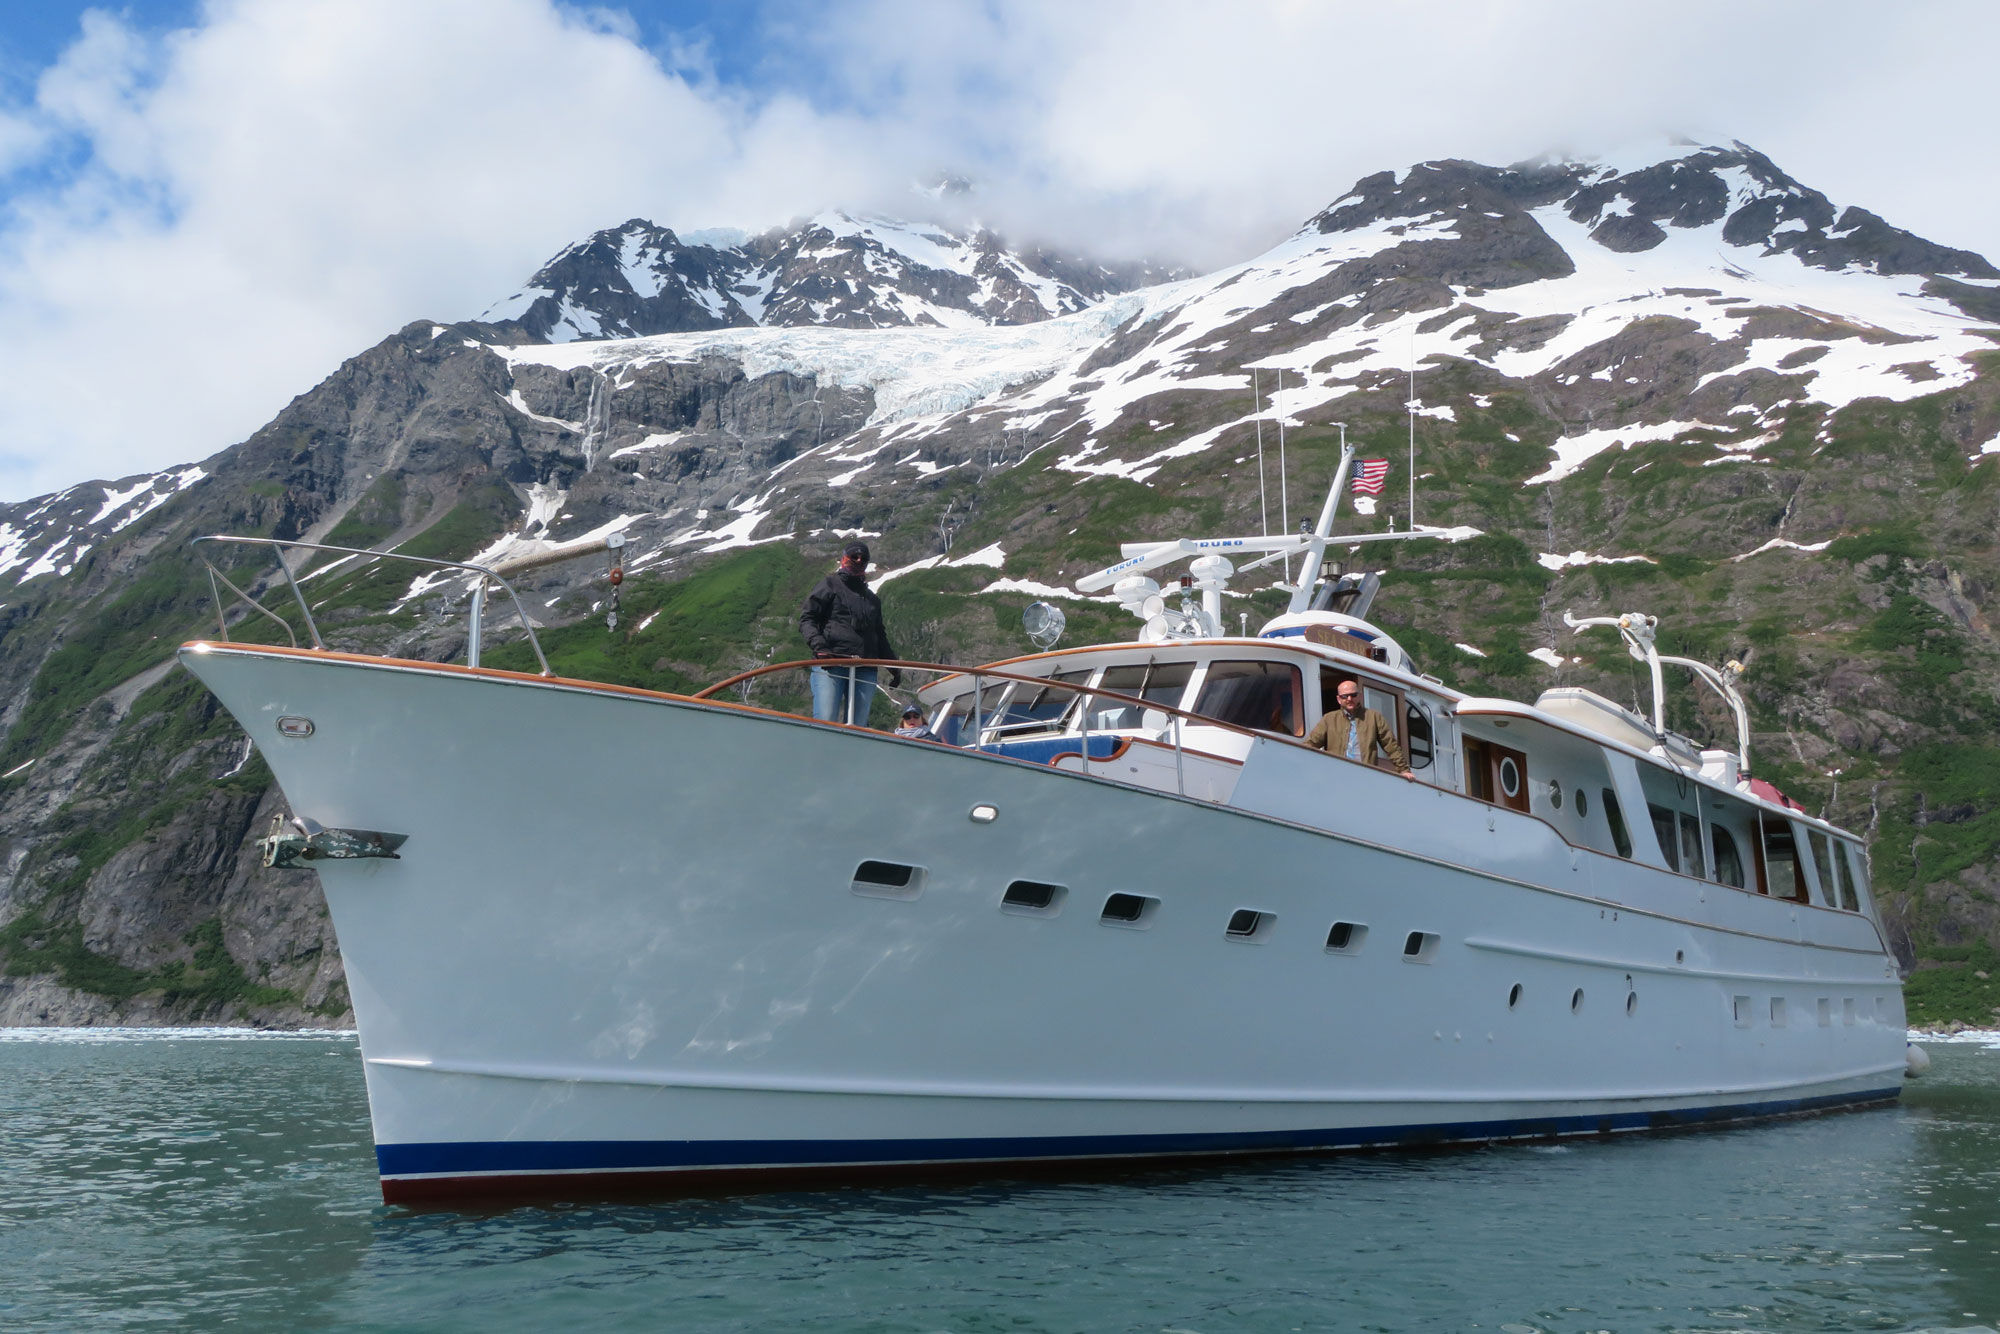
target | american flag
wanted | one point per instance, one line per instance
(1369, 477)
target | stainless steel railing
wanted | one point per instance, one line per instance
(476, 612)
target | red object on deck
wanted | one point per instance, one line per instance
(1760, 788)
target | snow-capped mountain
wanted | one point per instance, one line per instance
(836, 270)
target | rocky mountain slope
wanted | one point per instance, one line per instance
(1690, 385)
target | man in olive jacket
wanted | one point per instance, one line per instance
(1358, 733)
(842, 618)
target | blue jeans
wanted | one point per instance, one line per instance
(830, 686)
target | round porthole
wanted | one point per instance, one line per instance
(1631, 1002)
(1514, 996)
(1582, 803)
(1510, 777)
(1555, 794)
(1576, 1000)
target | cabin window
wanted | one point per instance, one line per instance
(1421, 746)
(1582, 803)
(1621, 838)
(955, 728)
(1267, 696)
(1728, 861)
(1691, 861)
(1162, 683)
(1822, 856)
(1037, 703)
(1850, 877)
(1665, 832)
(1787, 878)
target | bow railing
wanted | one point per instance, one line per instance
(482, 576)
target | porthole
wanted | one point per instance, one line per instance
(1680, 956)
(1032, 898)
(1631, 1002)
(1514, 995)
(888, 880)
(1555, 794)
(1134, 910)
(1510, 776)
(1777, 1011)
(1420, 947)
(1249, 924)
(1576, 1001)
(1582, 803)
(1740, 1007)
(1345, 938)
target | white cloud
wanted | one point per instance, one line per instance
(252, 199)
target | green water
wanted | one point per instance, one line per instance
(191, 1181)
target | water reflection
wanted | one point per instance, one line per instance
(197, 1182)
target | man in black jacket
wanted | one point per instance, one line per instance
(842, 618)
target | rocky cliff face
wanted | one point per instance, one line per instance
(1693, 387)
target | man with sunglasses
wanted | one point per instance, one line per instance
(1358, 733)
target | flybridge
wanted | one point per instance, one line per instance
(1209, 572)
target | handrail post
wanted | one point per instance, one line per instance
(978, 726)
(850, 696)
(1083, 724)
(478, 610)
(299, 596)
(221, 612)
(1180, 780)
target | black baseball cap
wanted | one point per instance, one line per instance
(913, 712)
(856, 551)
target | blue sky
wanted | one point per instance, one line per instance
(205, 205)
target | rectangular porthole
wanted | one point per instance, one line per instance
(1133, 910)
(1420, 947)
(1777, 1011)
(1346, 938)
(888, 880)
(1249, 924)
(1825, 1012)
(1847, 1011)
(1741, 1006)
(1032, 898)
(1881, 1010)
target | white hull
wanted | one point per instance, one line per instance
(623, 940)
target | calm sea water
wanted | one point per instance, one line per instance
(199, 1180)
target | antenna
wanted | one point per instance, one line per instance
(1263, 505)
(1413, 427)
(1284, 504)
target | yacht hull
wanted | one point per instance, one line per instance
(624, 944)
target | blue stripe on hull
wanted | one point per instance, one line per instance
(516, 1157)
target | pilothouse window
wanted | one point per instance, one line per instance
(1157, 683)
(1261, 695)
